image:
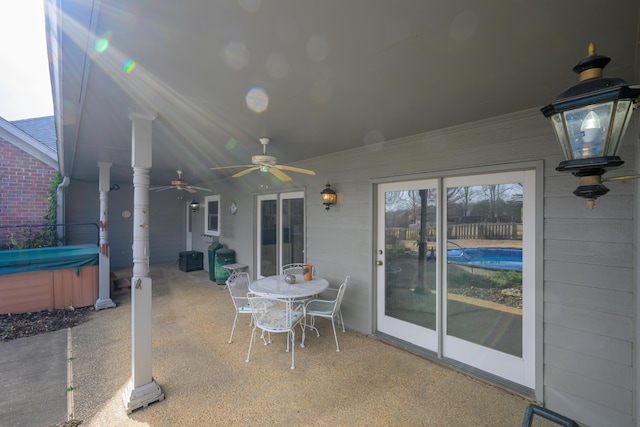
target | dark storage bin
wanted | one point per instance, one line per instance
(190, 261)
(224, 256)
(213, 248)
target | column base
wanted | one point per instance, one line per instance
(103, 303)
(142, 396)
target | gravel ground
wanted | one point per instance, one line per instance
(206, 381)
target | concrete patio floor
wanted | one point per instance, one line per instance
(206, 381)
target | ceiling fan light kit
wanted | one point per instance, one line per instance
(266, 163)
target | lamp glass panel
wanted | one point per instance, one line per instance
(588, 130)
(561, 135)
(624, 108)
(329, 198)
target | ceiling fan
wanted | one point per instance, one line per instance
(179, 184)
(265, 163)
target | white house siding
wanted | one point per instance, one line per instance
(588, 316)
(166, 238)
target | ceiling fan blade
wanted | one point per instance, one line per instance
(159, 189)
(279, 174)
(246, 171)
(200, 188)
(189, 189)
(231, 167)
(294, 169)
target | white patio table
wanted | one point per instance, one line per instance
(276, 286)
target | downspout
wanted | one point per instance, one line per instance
(60, 211)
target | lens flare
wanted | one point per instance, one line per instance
(236, 55)
(231, 144)
(257, 99)
(129, 65)
(317, 48)
(277, 65)
(102, 44)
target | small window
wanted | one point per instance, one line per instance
(212, 215)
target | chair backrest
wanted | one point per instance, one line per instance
(238, 284)
(296, 268)
(341, 290)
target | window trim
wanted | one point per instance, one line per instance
(207, 230)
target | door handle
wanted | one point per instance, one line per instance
(379, 263)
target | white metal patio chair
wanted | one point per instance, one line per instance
(329, 309)
(238, 284)
(297, 268)
(294, 268)
(276, 315)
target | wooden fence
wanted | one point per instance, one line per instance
(480, 230)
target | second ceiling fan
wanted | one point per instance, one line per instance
(179, 184)
(265, 163)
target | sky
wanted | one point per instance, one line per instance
(25, 87)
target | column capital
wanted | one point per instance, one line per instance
(136, 113)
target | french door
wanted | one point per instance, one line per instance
(281, 231)
(456, 269)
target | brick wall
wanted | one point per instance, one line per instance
(24, 186)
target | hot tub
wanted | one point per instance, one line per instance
(47, 278)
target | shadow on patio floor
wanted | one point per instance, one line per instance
(207, 382)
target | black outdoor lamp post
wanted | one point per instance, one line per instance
(589, 120)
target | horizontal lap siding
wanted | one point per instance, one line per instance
(589, 302)
(349, 243)
(166, 218)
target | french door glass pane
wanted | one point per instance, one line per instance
(268, 237)
(410, 261)
(292, 231)
(484, 265)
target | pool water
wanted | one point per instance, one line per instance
(488, 258)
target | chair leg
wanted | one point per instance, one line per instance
(293, 347)
(253, 331)
(335, 336)
(313, 325)
(233, 328)
(341, 320)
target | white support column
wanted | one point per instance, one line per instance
(104, 288)
(142, 389)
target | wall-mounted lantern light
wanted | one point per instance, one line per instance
(589, 120)
(329, 197)
(194, 205)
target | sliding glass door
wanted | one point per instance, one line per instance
(407, 275)
(281, 231)
(456, 269)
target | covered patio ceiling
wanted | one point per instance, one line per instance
(317, 77)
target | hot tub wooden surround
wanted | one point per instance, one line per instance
(48, 278)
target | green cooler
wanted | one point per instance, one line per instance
(223, 256)
(213, 248)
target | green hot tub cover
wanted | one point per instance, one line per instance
(55, 258)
